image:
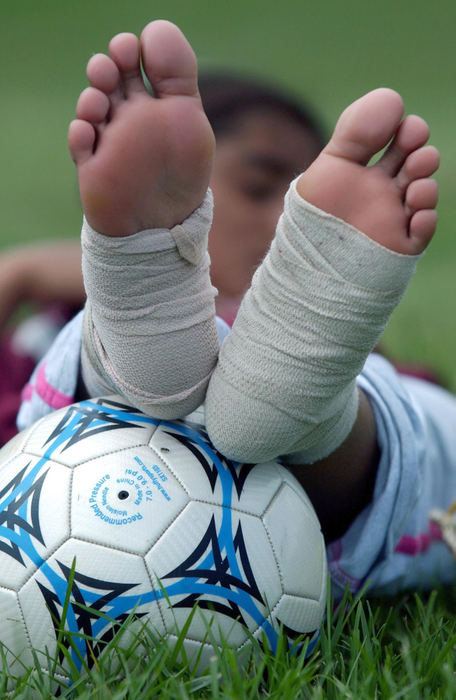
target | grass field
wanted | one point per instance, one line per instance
(402, 648)
(329, 53)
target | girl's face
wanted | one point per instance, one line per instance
(254, 164)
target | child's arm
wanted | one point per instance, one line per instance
(395, 541)
(40, 274)
(342, 484)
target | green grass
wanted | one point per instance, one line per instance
(393, 648)
(327, 52)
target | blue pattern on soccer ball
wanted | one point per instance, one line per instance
(221, 580)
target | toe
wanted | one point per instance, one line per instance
(104, 75)
(168, 60)
(420, 163)
(422, 227)
(93, 105)
(81, 140)
(124, 50)
(367, 126)
(412, 133)
(421, 194)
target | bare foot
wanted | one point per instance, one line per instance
(143, 162)
(393, 201)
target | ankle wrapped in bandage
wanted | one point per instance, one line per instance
(286, 377)
(149, 329)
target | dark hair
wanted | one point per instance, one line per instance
(227, 96)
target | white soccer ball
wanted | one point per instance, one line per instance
(144, 517)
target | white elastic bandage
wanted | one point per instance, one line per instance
(149, 327)
(285, 380)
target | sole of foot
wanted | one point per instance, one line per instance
(392, 201)
(143, 161)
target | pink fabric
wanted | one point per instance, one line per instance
(414, 544)
(14, 372)
(49, 394)
(337, 573)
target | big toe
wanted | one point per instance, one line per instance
(168, 60)
(367, 126)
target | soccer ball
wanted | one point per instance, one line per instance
(106, 513)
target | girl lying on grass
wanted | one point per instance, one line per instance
(295, 379)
